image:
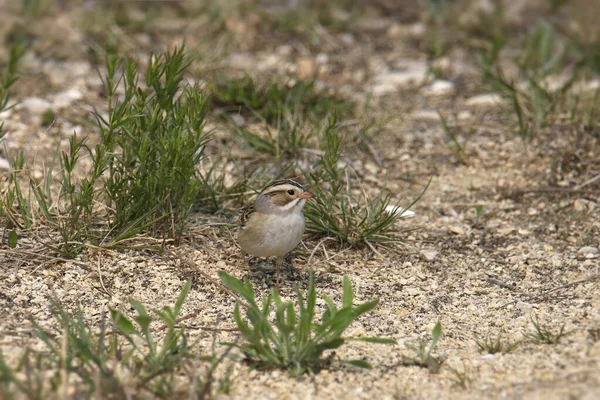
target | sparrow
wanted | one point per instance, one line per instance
(274, 225)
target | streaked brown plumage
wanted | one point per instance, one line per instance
(274, 225)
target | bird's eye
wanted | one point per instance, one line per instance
(291, 192)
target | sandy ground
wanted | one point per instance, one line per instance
(529, 253)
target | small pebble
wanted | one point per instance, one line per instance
(4, 164)
(439, 88)
(588, 250)
(484, 100)
(35, 105)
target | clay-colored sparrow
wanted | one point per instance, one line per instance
(275, 224)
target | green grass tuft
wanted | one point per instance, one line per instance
(423, 351)
(357, 220)
(8, 78)
(543, 335)
(272, 102)
(494, 345)
(117, 356)
(152, 141)
(294, 340)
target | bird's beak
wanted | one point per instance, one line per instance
(307, 195)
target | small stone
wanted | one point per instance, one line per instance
(394, 209)
(348, 38)
(427, 115)
(383, 88)
(306, 67)
(418, 29)
(582, 205)
(429, 255)
(67, 98)
(532, 211)
(4, 164)
(484, 100)
(241, 61)
(285, 50)
(238, 119)
(457, 230)
(464, 115)
(586, 86)
(588, 250)
(410, 73)
(439, 88)
(506, 231)
(322, 58)
(35, 105)
(395, 31)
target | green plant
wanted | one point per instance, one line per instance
(72, 212)
(461, 378)
(287, 139)
(14, 207)
(294, 340)
(303, 22)
(107, 363)
(144, 347)
(357, 220)
(543, 335)
(32, 9)
(546, 53)
(275, 102)
(48, 118)
(152, 141)
(454, 144)
(8, 78)
(493, 345)
(144, 169)
(423, 350)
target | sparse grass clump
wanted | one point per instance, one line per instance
(284, 120)
(14, 210)
(357, 220)
(454, 144)
(423, 352)
(144, 169)
(288, 139)
(8, 78)
(542, 335)
(157, 132)
(82, 359)
(306, 20)
(70, 214)
(543, 89)
(461, 378)
(538, 65)
(497, 344)
(271, 102)
(295, 340)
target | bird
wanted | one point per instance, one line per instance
(274, 225)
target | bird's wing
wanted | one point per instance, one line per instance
(245, 214)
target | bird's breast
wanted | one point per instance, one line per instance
(272, 235)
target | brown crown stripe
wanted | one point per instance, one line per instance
(285, 182)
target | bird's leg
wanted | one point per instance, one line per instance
(242, 258)
(278, 265)
(289, 257)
